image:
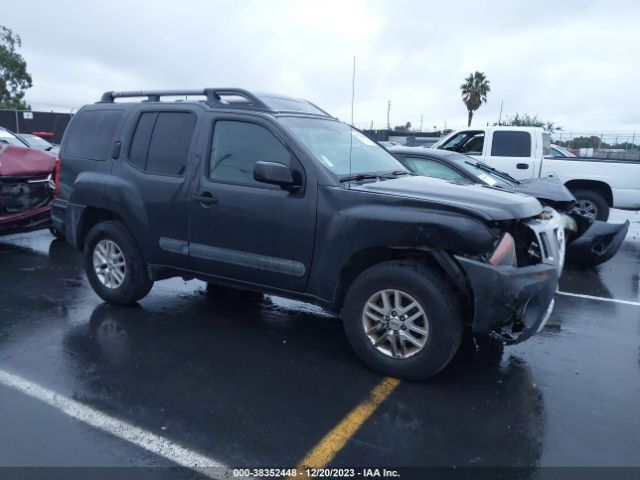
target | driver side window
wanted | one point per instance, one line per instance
(236, 148)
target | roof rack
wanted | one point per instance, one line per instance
(214, 96)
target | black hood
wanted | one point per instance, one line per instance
(550, 189)
(491, 203)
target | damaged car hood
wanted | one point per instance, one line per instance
(22, 162)
(550, 189)
(494, 203)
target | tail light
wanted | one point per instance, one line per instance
(56, 175)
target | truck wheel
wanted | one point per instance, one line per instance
(114, 265)
(402, 320)
(591, 204)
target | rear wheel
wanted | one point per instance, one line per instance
(56, 233)
(592, 204)
(114, 265)
(402, 319)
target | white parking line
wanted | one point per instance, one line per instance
(602, 299)
(151, 442)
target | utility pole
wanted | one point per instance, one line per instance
(500, 116)
(388, 115)
(421, 117)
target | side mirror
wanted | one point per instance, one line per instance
(274, 174)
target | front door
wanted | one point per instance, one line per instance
(245, 230)
(511, 152)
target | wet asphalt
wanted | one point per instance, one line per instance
(259, 384)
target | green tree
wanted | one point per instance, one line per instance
(14, 78)
(474, 92)
(526, 120)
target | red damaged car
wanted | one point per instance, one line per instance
(28, 182)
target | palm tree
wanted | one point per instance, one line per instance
(474, 92)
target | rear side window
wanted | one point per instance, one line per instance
(92, 135)
(236, 148)
(161, 142)
(511, 144)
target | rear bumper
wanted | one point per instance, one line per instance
(509, 302)
(598, 244)
(26, 221)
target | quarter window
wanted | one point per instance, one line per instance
(92, 134)
(511, 144)
(236, 148)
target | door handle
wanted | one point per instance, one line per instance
(206, 199)
(522, 166)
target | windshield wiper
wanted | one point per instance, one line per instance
(497, 172)
(374, 176)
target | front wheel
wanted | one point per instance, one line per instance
(403, 320)
(114, 265)
(591, 204)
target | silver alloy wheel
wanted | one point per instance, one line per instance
(109, 263)
(586, 208)
(395, 323)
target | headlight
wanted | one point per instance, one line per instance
(505, 252)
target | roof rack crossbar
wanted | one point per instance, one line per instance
(213, 95)
(152, 95)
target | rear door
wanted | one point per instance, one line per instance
(154, 183)
(511, 151)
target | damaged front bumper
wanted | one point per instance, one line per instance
(510, 303)
(25, 221)
(599, 243)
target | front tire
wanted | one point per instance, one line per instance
(114, 264)
(403, 320)
(591, 204)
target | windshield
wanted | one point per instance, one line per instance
(475, 167)
(340, 147)
(11, 139)
(35, 141)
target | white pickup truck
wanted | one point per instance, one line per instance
(524, 152)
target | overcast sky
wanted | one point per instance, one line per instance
(575, 63)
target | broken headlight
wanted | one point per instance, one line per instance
(505, 252)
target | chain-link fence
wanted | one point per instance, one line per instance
(617, 145)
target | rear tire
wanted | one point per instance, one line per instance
(114, 264)
(56, 233)
(416, 283)
(591, 203)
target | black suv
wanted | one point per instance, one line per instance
(272, 194)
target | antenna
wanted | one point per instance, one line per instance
(353, 96)
(353, 87)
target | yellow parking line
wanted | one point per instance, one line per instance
(320, 455)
